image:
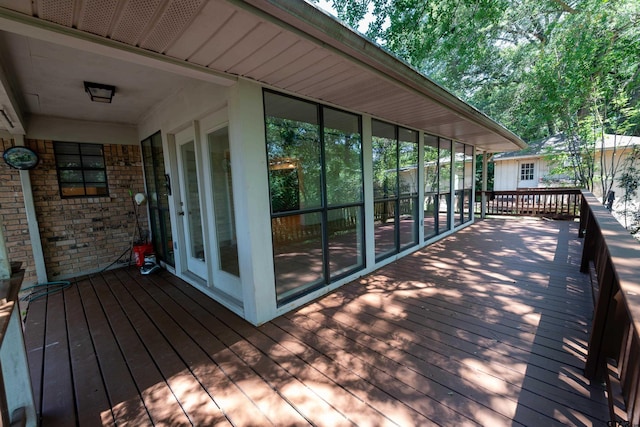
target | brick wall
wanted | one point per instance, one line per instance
(82, 235)
(14, 218)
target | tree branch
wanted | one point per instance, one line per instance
(564, 6)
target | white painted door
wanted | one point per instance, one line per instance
(224, 250)
(189, 209)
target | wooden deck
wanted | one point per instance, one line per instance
(487, 327)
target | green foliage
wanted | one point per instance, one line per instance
(540, 67)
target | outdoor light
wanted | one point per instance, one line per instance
(99, 92)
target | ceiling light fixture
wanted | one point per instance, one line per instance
(99, 92)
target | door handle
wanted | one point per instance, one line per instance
(181, 213)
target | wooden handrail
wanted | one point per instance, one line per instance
(17, 406)
(614, 343)
(559, 203)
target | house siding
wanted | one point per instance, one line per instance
(83, 235)
(14, 218)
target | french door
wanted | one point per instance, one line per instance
(189, 207)
(205, 208)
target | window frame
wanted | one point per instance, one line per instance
(322, 208)
(529, 167)
(82, 169)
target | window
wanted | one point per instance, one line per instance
(81, 169)
(317, 197)
(395, 188)
(526, 172)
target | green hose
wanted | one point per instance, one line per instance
(43, 289)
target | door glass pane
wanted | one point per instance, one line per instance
(297, 251)
(192, 200)
(343, 154)
(293, 149)
(158, 198)
(345, 240)
(223, 201)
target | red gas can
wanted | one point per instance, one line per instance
(139, 251)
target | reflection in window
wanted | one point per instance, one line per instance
(459, 184)
(158, 198)
(395, 188)
(468, 182)
(444, 185)
(224, 210)
(430, 202)
(81, 169)
(316, 189)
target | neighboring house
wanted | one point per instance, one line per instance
(532, 167)
(254, 128)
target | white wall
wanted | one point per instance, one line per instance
(177, 112)
(69, 130)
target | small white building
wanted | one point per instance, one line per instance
(533, 166)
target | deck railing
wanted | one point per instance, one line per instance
(557, 203)
(17, 406)
(613, 255)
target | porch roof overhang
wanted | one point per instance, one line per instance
(283, 44)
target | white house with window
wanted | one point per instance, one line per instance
(271, 138)
(532, 167)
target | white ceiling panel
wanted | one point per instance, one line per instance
(234, 29)
(299, 57)
(253, 42)
(134, 19)
(266, 59)
(205, 25)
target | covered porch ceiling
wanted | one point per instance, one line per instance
(148, 50)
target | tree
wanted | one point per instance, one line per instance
(538, 66)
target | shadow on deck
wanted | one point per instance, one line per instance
(486, 327)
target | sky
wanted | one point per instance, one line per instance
(327, 7)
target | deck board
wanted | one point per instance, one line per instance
(91, 398)
(486, 327)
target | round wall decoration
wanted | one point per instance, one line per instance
(22, 158)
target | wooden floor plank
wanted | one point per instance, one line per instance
(35, 323)
(158, 397)
(92, 403)
(393, 387)
(162, 342)
(57, 381)
(238, 361)
(444, 367)
(127, 405)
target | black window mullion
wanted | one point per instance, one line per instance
(437, 203)
(397, 191)
(325, 202)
